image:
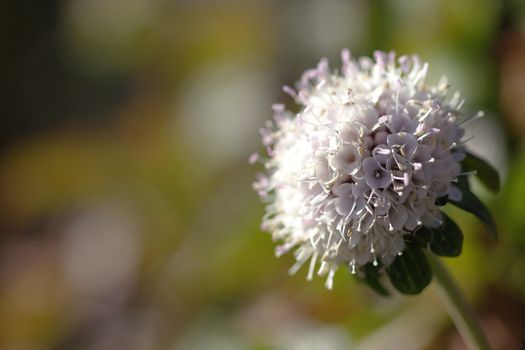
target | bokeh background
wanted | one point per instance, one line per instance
(127, 218)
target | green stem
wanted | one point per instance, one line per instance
(460, 311)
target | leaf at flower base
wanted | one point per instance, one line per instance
(447, 239)
(474, 205)
(441, 201)
(372, 279)
(463, 182)
(410, 272)
(486, 173)
(420, 238)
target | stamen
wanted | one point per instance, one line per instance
(322, 268)
(467, 173)
(289, 91)
(476, 116)
(330, 279)
(467, 140)
(352, 267)
(312, 266)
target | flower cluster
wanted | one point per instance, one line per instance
(363, 164)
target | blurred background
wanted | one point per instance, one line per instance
(127, 218)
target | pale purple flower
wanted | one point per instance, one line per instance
(361, 164)
(375, 175)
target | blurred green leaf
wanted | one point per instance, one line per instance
(484, 171)
(410, 272)
(447, 239)
(371, 278)
(474, 205)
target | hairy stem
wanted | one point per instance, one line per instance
(458, 308)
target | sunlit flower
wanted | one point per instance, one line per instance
(361, 165)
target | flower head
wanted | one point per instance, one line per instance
(363, 163)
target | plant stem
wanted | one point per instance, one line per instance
(458, 308)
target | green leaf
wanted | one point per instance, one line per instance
(420, 238)
(410, 272)
(447, 239)
(441, 201)
(484, 171)
(372, 279)
(463, 183)
(473, 204)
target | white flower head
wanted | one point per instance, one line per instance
(362, 163)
